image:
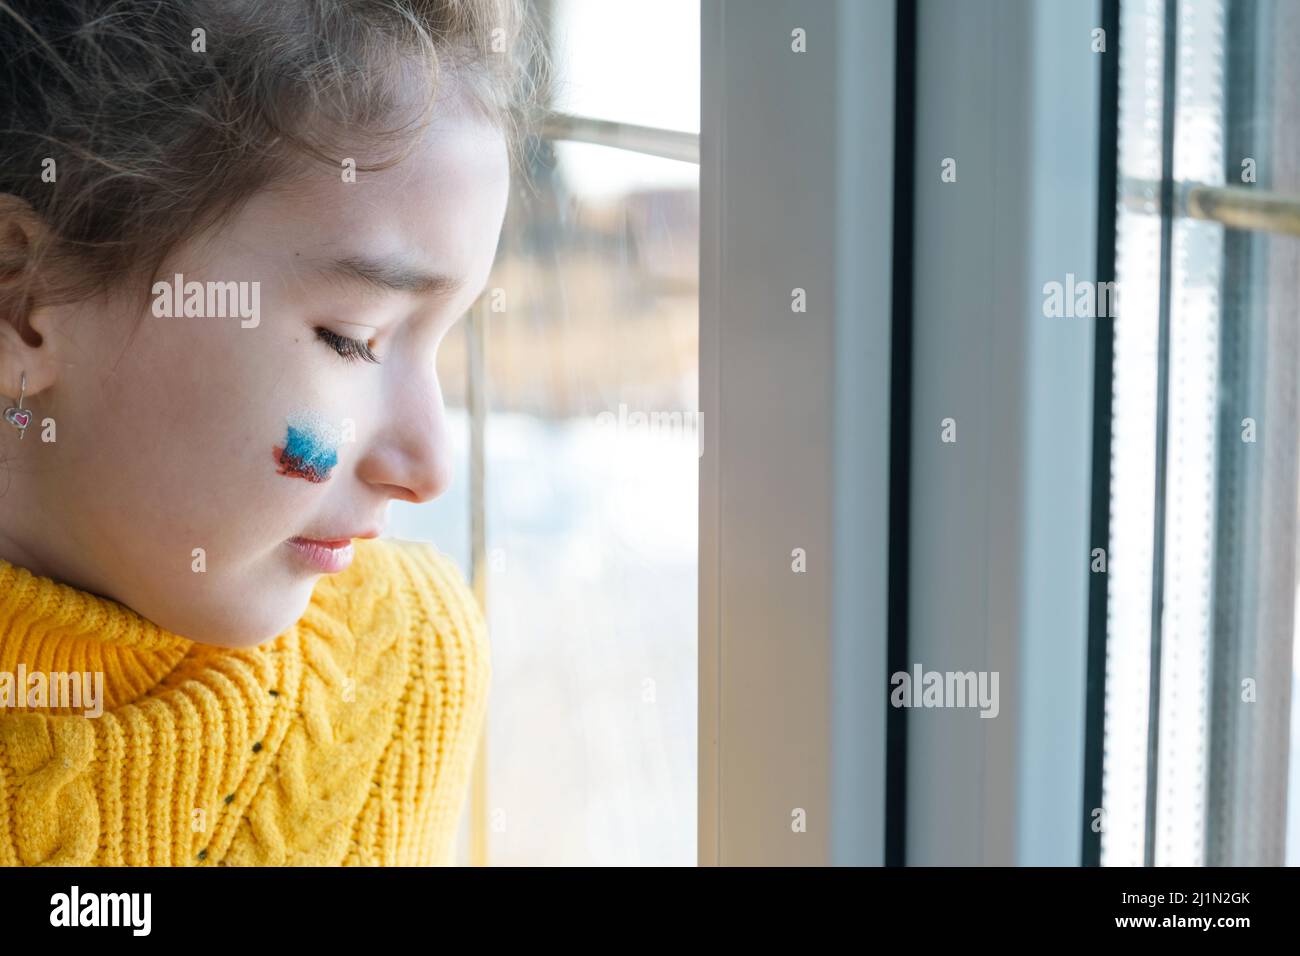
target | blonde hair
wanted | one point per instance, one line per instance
(158, 131)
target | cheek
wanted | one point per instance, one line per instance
(184, 431)
(199, 435)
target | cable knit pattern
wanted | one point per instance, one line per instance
(347, 740)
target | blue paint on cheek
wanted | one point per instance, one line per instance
(306, 454)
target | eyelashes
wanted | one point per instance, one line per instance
(352, 350)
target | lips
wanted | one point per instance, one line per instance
(320, 557)
(327, 554)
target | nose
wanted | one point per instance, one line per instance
(409, 457)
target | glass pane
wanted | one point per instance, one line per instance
(592, 468)
(592, 449)
(1215, 541)
(1194, 279)
(592, 465)
(1133, 436)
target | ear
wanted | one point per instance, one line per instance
(26, 345)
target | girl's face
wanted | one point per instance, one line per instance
(195, 457)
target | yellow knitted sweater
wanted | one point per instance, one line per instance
(347, 740)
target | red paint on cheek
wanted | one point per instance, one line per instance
(294, 467)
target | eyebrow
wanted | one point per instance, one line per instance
(392, 275)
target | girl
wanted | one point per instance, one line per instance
(232, 237)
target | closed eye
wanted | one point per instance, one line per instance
(353, 350)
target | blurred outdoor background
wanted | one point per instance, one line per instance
(590, 466)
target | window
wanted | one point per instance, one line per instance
(1200, 672)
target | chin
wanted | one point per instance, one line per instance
(246, 621)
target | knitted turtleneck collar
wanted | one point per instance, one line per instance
(49, 627)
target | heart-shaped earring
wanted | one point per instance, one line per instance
(18, 416)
